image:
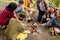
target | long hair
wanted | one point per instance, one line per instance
(58, 15)
(12, 6)
(45, 5)
(38, 4)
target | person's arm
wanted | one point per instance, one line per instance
(16, 17)
(27, 8)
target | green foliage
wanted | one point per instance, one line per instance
(9, 0)
(55, 2)
(57, 37)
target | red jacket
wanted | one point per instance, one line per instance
(5, 16)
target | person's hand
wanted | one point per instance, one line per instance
(44, 16)
(48, 19)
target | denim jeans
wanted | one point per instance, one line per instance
(54, 21)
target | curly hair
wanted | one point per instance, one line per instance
(12, 6)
